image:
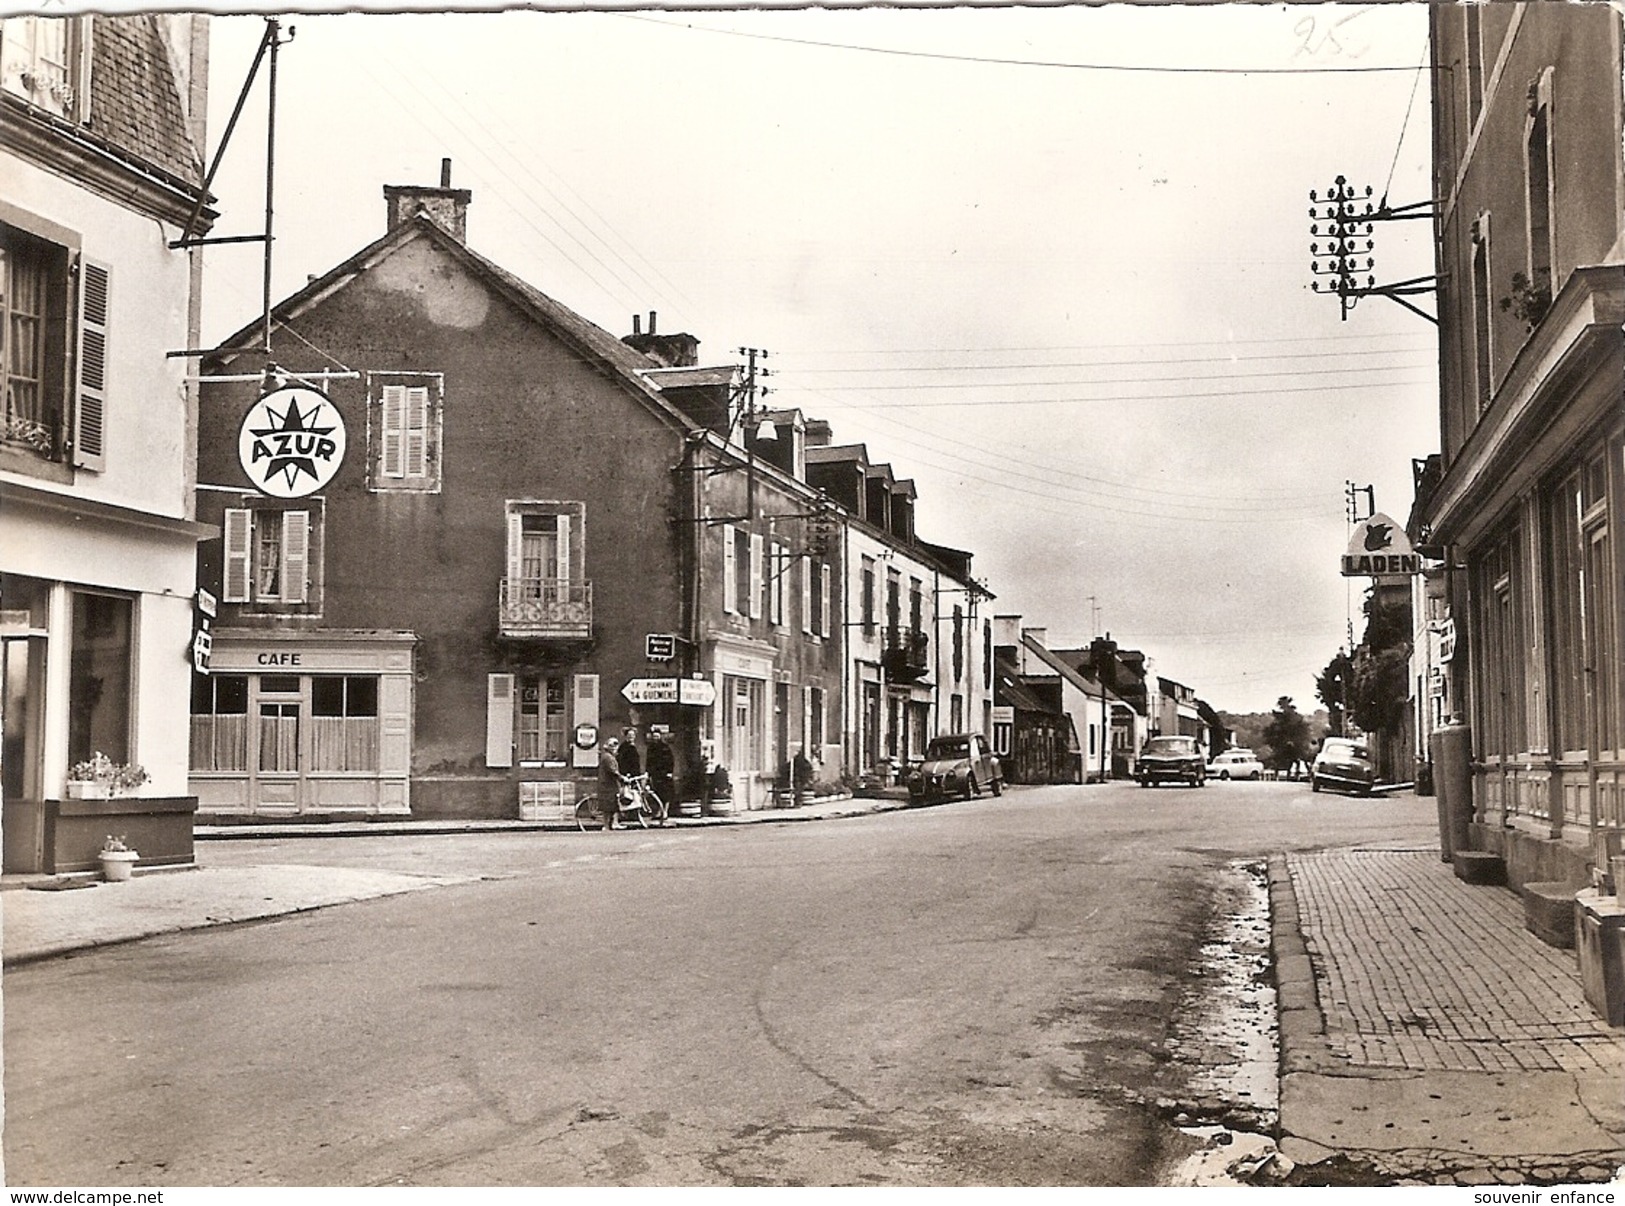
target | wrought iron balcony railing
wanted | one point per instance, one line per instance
(906, 653)
(545, 608)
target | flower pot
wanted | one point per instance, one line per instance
(118, 865)
(87, 789)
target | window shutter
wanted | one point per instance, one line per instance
(498, 720)
(392, 433)
(823, 600)
(730, 590)
(515, 544)
(417, 432)
(775, 584)
(563, 567)
(238, 539)
(586, 699)
(806, 596)
(295, 556)
(755, 576)
(90, 388)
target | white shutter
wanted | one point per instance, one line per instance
(823, 600)
(563, 572)
(515, 544)
(238, 536)
(498, 720)
(730, 589)
(584, 710)
(295, 556)
(806, 596)
(775, 584)
(755, 576)
(392, 433)
(90, 388)
(417, 432)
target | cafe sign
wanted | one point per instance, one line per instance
(1379, 548)
(291, 442)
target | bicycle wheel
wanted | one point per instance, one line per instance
(654, 808)
(641, 812)
(587, 814)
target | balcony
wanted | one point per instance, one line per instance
(906, 654)
(545, 609)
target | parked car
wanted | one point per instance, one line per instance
(1344, 763)
(1236, 764)
(955, 764)
(1171, 760)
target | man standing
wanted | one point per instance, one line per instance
(627, 757)
(662, 769)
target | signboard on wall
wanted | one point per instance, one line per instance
(291, 442)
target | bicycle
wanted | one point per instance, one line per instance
(639, 802)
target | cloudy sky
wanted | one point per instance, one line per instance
(1053, 264)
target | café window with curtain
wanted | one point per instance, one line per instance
(220, 722)
(344, 722)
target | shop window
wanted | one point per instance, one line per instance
(272, 557)
(99, 677)
(46, 62)
(343, 722)
(219, 722)
(404, 422)
(54, 311)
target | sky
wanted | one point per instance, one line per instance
(1052, 264)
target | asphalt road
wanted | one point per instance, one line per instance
(976, 994)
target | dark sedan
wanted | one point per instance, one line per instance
(1171, 760)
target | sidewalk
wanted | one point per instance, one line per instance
(1428, 1037)
(45, 916)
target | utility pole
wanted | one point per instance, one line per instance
(748, 415)
(1345, 219)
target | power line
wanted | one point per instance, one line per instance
(1038, 364)
(1155, 68)
(1179, 397)
(1332, 372)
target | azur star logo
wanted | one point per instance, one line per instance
(292, 443)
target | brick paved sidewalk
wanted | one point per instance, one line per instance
(1415, 969)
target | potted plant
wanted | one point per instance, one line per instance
(99, 777)
(118, 860)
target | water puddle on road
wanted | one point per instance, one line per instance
(1225, 1040)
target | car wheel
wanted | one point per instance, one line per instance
(971, 789)
(1224, 774)
(998, 786)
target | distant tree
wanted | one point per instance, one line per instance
(1379, 675)
(1287, 734)
(1332, 688)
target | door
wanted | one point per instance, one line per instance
(279, 744)
(22, 668)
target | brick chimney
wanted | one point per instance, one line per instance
(447, 207)
(671, 351)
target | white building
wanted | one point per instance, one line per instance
(101, 133)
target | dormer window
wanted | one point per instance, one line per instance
(46, 62)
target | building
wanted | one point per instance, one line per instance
(101, 141)
(1523, 520)
(918, 650)
(540, 534)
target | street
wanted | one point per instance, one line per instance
(975, 994)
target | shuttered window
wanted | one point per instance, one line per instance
(90, 394)
(406, 425)
(268, 557)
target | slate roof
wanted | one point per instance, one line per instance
(135, 105)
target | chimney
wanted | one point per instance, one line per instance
(447, 207)
(669, 351)
(637, 325)
(651, 322)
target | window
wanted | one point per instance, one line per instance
(219, 722)
(52, 370)
(741, 572)
(405, 412)
(269, 557)
(815, 722)
(343, 722)
(545, 582)
(959, 648)
(754, 584)
(1482, 362)
(46, 61)
(777, 566)
(1474, 37)
(540, 735)
(823, 600)
(99, 677)
(1538, 180)
(915, 609)
(956, 713)
(868, 601)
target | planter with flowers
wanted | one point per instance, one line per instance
(118, 860)
(100, 778)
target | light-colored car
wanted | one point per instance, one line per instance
(1236, 764)
(1343, 762)
(956, 764)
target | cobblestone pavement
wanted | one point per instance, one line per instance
(1397, 944)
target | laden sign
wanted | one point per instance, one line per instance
(291, 442)
(1380, 549)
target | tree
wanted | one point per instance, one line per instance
(1379, 679)
(1332, 686)
(1287, 734)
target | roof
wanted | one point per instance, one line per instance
(630, 366)
(1089, 685)
(134, 103)
(681, 378)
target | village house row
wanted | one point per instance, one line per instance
(538, 532)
